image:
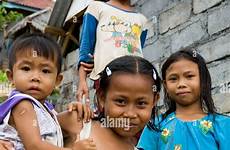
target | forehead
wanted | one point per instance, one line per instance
(31, 53)
(130, 83)
(183, 65)
(28, 52)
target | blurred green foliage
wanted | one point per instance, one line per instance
(2, 99)
(3, 77)
(55, 95)
(8, 17)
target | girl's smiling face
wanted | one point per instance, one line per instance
(129, 97)
(182, 82)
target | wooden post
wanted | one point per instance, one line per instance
(59, 14)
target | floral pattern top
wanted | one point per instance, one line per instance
(207, 133)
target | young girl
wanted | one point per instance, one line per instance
(26, 118)
(129, 88)
(191, 121)
(110, 30)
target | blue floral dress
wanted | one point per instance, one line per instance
(207, 133)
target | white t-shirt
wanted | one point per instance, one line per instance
(118, 33)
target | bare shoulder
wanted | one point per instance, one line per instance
(23, 107)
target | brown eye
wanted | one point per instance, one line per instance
(46, 71)
(172, 79)
(142, 104)
(25, 68)
(120, 102)
(190, 76)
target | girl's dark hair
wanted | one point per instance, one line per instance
(132, 65)
(129, 65)
(205, 80)
(40, 43)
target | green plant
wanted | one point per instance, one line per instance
(55, 95)
(8, 17)
(3, 77)
(2, 99)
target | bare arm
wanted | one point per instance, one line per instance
(25, 121)
(71, 121)
(88, 67)
(5, 145)
(71, 126)
(82, 86)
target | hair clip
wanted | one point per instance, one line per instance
(154, 75)
(108, 71)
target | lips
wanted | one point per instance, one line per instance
(182, 93)
(34, 89)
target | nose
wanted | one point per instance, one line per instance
(181, 83)
(35, 77)
(130, 112)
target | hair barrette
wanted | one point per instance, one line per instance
(154, 75)
(108, 71)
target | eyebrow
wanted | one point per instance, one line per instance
(45, 65)
(189, 72)
(30, 62)
(186, 72)
(171, 74)
(141, 98)
(25, 61)
(125, 97)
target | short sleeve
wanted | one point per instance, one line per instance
(148, 140)
(222, 131)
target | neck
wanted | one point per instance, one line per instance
(187, 110)
(127, 2)
(191, 112)
(120, 3)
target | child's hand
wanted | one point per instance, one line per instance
(5, 145)
(83, 110)
(87, 144)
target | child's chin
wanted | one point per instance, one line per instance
(37, 97)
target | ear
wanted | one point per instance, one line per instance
(58, 79)
(9, 75)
